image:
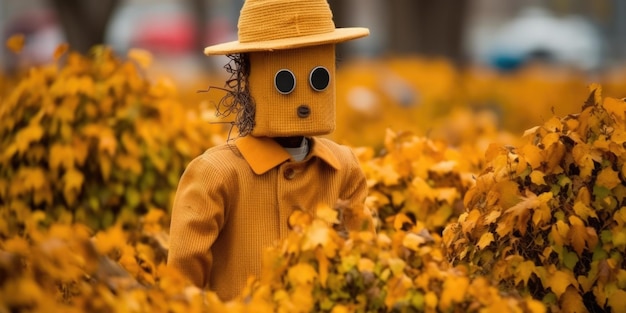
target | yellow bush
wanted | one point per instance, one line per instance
(90, 139)
(547, 217)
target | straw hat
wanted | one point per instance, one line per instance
(266, 25)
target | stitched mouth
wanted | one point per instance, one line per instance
(304, 111)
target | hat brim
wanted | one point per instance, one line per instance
(339, 35)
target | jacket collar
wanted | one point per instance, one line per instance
(263, 153)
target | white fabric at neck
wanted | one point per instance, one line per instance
(299, 153)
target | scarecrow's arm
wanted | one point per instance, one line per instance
(197, 218)
(356, 216)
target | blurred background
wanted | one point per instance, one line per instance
(422, 57)
(586, 34)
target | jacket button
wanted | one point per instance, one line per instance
(289, 173)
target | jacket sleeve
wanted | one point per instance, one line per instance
(197, 218)
(356, 216)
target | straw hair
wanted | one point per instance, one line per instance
(266, 25)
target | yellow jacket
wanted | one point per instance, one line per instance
(234, 200)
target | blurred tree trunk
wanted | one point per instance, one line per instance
(424, 27)
(339, 9)
(428, 27)
(199, 10)
(84, 22)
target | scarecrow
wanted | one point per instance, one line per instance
(236, 198)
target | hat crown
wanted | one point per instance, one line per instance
(265, 20)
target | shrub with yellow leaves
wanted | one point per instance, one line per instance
(547, 217)
(91, 139)
(401, 269)
(65, 268)
(423, 178)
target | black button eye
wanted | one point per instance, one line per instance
(319, 78)
(285, 81)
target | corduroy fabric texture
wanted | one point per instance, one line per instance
(266, 25)
(276, 114)
(233, 201)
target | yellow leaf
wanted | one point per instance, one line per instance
(615, 107)
(575, 220)
(505, 226)
(413, 241)
(550, 139)
(554, 154)
(73, 181)
(554, 124)
(130, 144)
(299, 219)
(583, 196)
(583, 211)
(454, 290)
(581, 153)
(591, 239)
(340, 309)
(110, 239)
(535, 306)
(608, 178)
(327, 214)
(17, 245)
(533, 155)
(389, 175)
(365, 265)
(537, 177)
(449, 195)
(60, 51)
(16, 42)
(485, 240)
(509, 195)
(107, 142)
(129, 163)
(301, 274)
(81, 151)
(559, 281)
(523, 209)
(619, 136)
(26, 136)
(572, 301)
(431, 299)
(396, 265)
(617, 300)
(621, 278)
(493, 150)
(542, 214)
(319, 234)
(492, 217)
(322, 264)
(61, 156)
(105, 167)
(469, 223)
(30, 178)
(402, 222)
(596, 90)
(577, 236)
(141, 56)
(559, 232)
(524, 270)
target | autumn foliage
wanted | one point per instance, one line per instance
(547, 217)
(90, 139)
(91, 151)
